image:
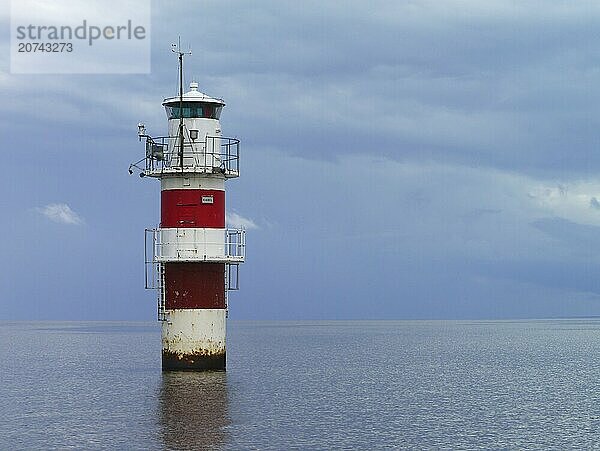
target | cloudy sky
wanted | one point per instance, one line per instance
(400, 159)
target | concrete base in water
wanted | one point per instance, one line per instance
(193, 339)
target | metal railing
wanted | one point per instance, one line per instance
(194, 244)
(214, 155)
(233, 253)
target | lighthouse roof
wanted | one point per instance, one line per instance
(193, 95)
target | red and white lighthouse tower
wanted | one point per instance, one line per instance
(191, 257)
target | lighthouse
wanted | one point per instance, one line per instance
(192, 259)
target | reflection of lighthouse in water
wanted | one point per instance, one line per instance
(194, 410)
(192, 258)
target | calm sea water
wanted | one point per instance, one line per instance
(308, 385)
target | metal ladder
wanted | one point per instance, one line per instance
(161, 302)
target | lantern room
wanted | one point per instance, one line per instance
(199, 111)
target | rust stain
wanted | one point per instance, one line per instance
(203, 360)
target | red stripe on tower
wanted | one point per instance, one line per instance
(195, 286)
(192, 208)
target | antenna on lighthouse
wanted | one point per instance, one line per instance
(176, 48)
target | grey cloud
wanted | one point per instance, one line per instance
(571, 278)
(506, 85)
(501, 85)
(576, 236)
(393, 144)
